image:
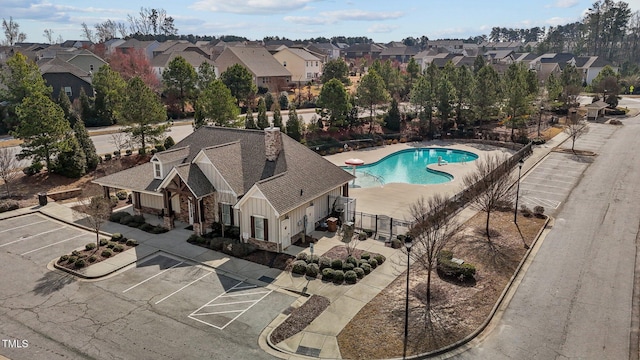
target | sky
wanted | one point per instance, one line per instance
(380, 20)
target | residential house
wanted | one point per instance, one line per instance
(78, 44)
(330, 50)
(63, 76)
(450, 46)
(161, 62)
(302, 65)
(266, 70)
(146, 47)
(357, 51)
(83, 59)
(111, 45)
(269, 185)
(399, 52)
(590, 66)
(500, 56)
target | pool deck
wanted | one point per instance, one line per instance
(394, 199)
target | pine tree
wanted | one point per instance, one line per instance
(71, 161)
(393, 116)
(87, 146)
(65, 105)
(277, 116)
(249, 121)
(293, 124)
(86, 110)
(263, 120)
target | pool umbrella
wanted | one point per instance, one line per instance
(354, 162)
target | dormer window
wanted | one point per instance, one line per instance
(157, 170)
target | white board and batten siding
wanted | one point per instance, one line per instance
(258, 206)
(155, 202)
(224, 192)
(321, 208)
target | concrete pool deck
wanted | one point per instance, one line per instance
(394, 199)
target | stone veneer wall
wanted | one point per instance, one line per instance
(184, 209)
(210, 209)
(272, 143)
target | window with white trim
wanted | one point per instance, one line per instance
(156, 171)
(259, 228)
(67, 90)
(226, 214)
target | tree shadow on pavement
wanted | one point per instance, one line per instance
(52, 282)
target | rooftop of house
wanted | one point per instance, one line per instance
(303, 54)
(59, 66)
(258, 60)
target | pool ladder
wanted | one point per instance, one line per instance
(378, 178)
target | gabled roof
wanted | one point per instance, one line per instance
(138, 178)
(195, 179)
(325, 46)
(598, 105)
(173, 154)
(59, 66)
(136, 44)
(301, 53)
(192, 57)
(399, 50)
(224, 158)
(373, 48)
(258, 61)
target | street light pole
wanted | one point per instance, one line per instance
(408, 242)
(515, 210)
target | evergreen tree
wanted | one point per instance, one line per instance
(240, 81)
(283, 99)
(142, 113)
(110, 90)
(371, 92)
(485, 96)
(65, 105)
(216, 104)
(336, 69)
(334, 102)
(263, 120)
(180, 78)
(249, 121)
(277, 116)
(393, 116)
(293, 124)
(71, 161)
(87, 146)
(268, 101)
(86, 110)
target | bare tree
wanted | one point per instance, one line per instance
(8, 168)
(120, 139)
(489, 186)
(48, 34)
(87, 33)
(575, 129)
(349, 239)
(433, 227)
(107, 30)
(95, 211)
(12, 32)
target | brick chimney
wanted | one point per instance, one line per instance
(272, 143)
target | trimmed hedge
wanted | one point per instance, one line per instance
(449, 268)
(338, 276)
(336, 264)
(312, 270)
(327, 274)
(350, 277)
(299, 267)
(324, 262)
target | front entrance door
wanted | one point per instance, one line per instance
(309, 220)
(191, 209)
(285, 232)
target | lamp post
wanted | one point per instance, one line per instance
(540, 120)
(515, 211)
(408, 242)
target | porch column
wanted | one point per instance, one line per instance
(345, 190)
(137, 204)
(168, 220)
(105, 189)
(197, 218)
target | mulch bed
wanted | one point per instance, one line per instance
(95, 253)
(457, 308)
(278, 261)
(300, 318)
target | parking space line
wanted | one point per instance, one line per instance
(547, 180)
(56, 243)
(236, 287)
(21, 226)
(538, 190)
(149, 278)
(184, 287)
(31, 236)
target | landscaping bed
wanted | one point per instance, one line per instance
(136, 221)
(458, 308)
(92, 253)
(300, 318)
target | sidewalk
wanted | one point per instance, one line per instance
(320, 337)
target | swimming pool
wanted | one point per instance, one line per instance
(409, 166)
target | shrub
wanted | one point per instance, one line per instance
(538, 211)
(313, 259)
(195, 239)
(116, 237)
(216, 243)
(71, 259)
(118, 248)
(363, 261)
(242, 249)
(111, 245)
(352, 260)
(312, 270)
(116, 153)
(524, 210)
(368, 232)
(324, 262)
(365, 256)
(327, 274)
(107, 157)
(63, 258)
(396, 243)
(301, 256)
(138, 219)
(116, 216)
(373, 263)
(90, 246)
(446, 267)
(33, 169)
(232, 232)
(128, 152)
(336, 264)
(362, 236)
(366, 268)
(359, 272)
(338, 276)
(380, 259)
(169, 142)
(104, 242)
(79, 263)
(142, 151)
(347, 266)
(75, 253)
(146, 227)
(8, 205)
(106, 253)
(350, 277)
(160, 147)
(92, 259)
(299, 267)
(126, 220)
(158, 229)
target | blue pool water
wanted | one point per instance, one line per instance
(409, 166)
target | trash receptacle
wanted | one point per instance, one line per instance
(42, 199)
(332, 224)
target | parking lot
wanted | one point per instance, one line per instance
(188, 291)
(39, 238)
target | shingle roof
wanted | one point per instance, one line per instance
(225, 159)
(173, 154)
(195, 179)
(305, 55)
(139, 178)
(59, 66)
(259, 61)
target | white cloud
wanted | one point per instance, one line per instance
(381, 28)
(563, 4)
(556, 20)
(250, 6)
(308, 20)
(361, 15)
